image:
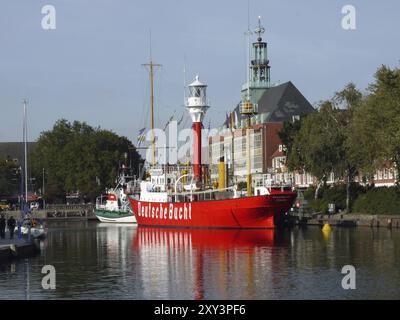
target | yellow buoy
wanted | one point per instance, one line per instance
(326, 227)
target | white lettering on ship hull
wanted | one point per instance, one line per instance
(165, 211)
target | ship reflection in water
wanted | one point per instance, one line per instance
(108, 261)
(190, 262)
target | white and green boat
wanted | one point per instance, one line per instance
(114, 206)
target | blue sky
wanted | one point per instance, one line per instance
(89, 68)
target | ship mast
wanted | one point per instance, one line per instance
(25, 136)
(151, 66)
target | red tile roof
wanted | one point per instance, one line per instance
(277, 153)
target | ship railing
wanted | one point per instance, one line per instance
(205, 195)
(101, 202)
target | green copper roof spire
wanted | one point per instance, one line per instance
(259, 68)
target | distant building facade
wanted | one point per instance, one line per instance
(384, 177)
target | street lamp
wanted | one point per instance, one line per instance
(44, 203)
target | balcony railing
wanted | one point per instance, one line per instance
(259, 62)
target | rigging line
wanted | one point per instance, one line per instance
(142, 115)
(247, 48)
(143, 104)
(185, 121)
(145, 111)
(184, 79)
(156, 92)
(159, 93)
(157, 96)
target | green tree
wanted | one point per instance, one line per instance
(385, 97)
(288, 133)
(350, 134)
(78, 157)
(9, 177)
(374, 137)
(318, 145)
(349, 99)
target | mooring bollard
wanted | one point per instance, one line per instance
(13, 250)
(19, 230)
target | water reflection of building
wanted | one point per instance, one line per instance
(204, 264)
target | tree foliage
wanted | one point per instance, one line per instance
(79, 158)
(378, 201)
(351, 133)
(8, 177)
(318, 146)
(374, 135)
(288, 134)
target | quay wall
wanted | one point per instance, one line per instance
(356, 220)
(17, 249)
(85, 212)
(59, 212)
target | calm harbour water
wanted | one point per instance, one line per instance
(105, 261)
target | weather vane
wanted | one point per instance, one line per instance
(260, 29)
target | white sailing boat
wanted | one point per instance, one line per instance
(29, 227)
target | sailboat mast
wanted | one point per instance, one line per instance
(153, 153)
(25, 150)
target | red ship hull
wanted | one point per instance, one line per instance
(249, 212)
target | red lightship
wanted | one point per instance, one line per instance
(167, 200)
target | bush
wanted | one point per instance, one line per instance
(319, 205)
(332, 194)
(379, 201)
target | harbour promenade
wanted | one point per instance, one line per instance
(349, 220)
(85, 212)
(59, 212)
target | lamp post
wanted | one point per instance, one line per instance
(44, 204)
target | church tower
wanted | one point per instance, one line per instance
(260, 78)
